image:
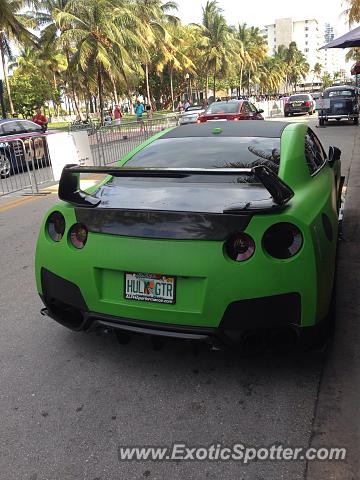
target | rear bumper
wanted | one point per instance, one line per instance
(335, 117)
(65, 304)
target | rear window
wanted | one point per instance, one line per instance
(341, 93)
(219, 107)
(209, 152)
(295, 98)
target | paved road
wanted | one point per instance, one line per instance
(68, 401)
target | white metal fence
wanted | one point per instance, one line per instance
(24, 164)
(109, 144)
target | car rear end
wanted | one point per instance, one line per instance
(341, 104)
(193, 256)
(190, 116)
(300, 104)
(222, 111)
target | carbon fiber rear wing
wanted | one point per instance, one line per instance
(69, 186)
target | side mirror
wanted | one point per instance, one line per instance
(260, 111)
(334, 155)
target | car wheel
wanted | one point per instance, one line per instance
(321, 122)
(356, 121)
(286, 114)
(5, 166)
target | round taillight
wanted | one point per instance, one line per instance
(78, 235)
(239, 247)
(55, 226)
(282, 240)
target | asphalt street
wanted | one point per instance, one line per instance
(68, 400)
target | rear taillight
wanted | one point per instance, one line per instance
(78, 235)
(55, 226)
(282, 240)
(307, 103)
(239, 247)
(236, 119)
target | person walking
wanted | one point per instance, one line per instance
(149, 111)
(117, 115)
(139, 110)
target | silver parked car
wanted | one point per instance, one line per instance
(191, 114)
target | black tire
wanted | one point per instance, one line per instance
(286, 114)
(321, 122)
(5, 166)
(356, 121)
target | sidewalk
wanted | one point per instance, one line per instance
(337, 415)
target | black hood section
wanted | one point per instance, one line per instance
(162, 224)
(190, 195)
(173, 209)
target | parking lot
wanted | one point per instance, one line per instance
(70, 400)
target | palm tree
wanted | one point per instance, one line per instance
(316, 72)
(252, 51)
(12, 28)
(101, 44)
(153, 29)
(216, 42)
(353, 11)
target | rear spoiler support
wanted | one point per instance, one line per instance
(69, 186)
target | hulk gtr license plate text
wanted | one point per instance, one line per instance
(149, 287)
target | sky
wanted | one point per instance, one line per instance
(262, 12)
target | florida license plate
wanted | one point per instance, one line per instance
(150, 287)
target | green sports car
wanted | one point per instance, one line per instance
(212, 232)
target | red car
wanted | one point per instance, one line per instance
(231, 110)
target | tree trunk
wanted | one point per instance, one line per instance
(147, 84)
(171, 87)
(6, 79)
(131, 106)
(100, 89)
(206, 88)
(241, 79)
(215, 82)
(114, 90)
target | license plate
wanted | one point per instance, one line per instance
(296, 104)
(148, 287)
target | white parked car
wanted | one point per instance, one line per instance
(191, 114)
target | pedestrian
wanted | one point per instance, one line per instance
(108, 118)
(186, 105)
(149, 111)
(139, 110)
(117, 115)
(40, 119)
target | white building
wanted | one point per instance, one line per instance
(307, 34)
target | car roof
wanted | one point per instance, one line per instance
(14, 119)
(244, 128)
(340, 87)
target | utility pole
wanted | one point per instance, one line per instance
(2, 102)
